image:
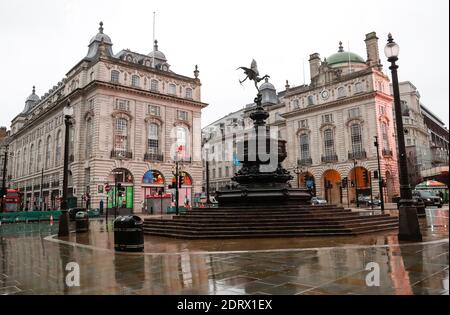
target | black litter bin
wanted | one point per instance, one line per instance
(128, 234)
(82, 221)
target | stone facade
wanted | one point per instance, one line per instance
(131, 113)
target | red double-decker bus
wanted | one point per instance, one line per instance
(12, 200)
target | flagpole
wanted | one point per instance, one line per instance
(153, 61)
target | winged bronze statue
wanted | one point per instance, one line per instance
(252, 74)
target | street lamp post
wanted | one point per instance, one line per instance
(64, 219)
(409, 229)
(3, 191)
(380, 179)
(355, 162)
(208, 202)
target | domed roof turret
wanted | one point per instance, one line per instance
(344, 57)
(31, 101)
(100, 39)
(101, 36)
(266, 85)
(158, 54)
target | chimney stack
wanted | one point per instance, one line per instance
(314, 64)
(373, 56)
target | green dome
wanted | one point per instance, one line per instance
(344, 57)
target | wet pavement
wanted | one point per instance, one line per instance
(33, 261)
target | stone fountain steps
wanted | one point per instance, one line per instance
(269, 207)
(268, 224)
(189, 233)
(269, 221)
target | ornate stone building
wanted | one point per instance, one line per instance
(131, 113)
(330, 126)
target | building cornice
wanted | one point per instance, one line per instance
(336, 103)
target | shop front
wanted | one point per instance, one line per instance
(121, 193)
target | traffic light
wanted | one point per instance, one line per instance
(375, 174)
(180, 181)
(383, 182)
(345, 182)
(365, 176)
(120, 190)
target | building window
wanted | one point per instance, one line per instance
(310, 100)
(181, 142)
(121, 134)
(154, 110)
(18, 164)
(122, 105)
(384, 131)
(304, 147)
(39, 155)
(31, 160)
(89, 137)
(189, 93)
(353, 112)
(295, 104)
(327, 119)
(48, 152)
(135, 81)
(408, 141)
(153, 139)
(359, 87)
(182, 115)
(328, 142)
(115, 76)
(356, 137)
(382, 110)
(154, 86)
(58, 148)
(227, 171)
(24, 161)
(214, 173)
(91, 104)
(172, 89)
(341, 92)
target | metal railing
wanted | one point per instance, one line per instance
(153, 157)
(357, 155)
(306, 161)
(329, 158)
(120, 154)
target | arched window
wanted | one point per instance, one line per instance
(310, 100)
(58, 149)
(31, 159)
(356, 137)
(39, 156)
(295, 103)
(304, 147)
(154, 86)
(153, 138)
(48, 152)
(115, 76)
(121, 135)
(189, 93)
(172, 89)
(135, 81)
(341, 92)
(89, 137)
(24, 161)
(328, 142)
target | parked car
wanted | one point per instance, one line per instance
(73, 212)
(366, 200)
(318, 201)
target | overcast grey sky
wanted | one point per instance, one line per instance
(41, 40)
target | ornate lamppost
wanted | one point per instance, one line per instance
(64, 218)
(409, 229)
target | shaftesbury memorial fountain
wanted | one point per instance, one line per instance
(262, 179)
(263, 204)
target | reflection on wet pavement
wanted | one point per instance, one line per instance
(33, 263)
